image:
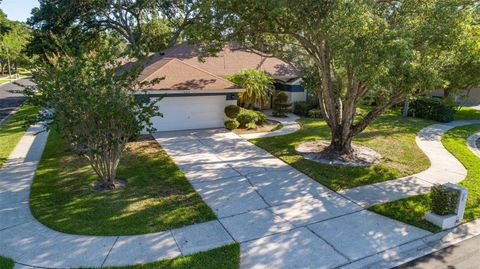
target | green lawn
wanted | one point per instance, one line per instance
(6, 263)
(391, 135)
(411, 210)
(157, 196)
(467, 113)
(12, 131)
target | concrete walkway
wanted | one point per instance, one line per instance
(289, 124)
(444, 168)
(281, 217)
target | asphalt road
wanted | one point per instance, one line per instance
(11, 96)
(465, 255)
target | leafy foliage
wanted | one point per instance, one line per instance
(444, 200)
(231, 124)
(257, 84)
(384, 51)
(281, 105)
(90, 100)
(433, 109)
(315, 113)
(232, 111)
(301, 108)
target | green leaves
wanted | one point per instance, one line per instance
(258, 86)
(92, 102)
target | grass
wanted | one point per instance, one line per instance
(6, 263)
(412, 209)
(391, 135)
(226, 257)
(157, 196)
(12, 131)
(467, 113)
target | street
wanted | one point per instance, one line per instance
(465, 255)
(11, 96)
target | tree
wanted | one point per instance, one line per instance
(375, 49)
(13, 45)
(258, 87)
(90, 99)
(136, 21)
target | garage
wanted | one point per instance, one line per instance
(190, 112)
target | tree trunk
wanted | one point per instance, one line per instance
(406, 106)
(340, 145)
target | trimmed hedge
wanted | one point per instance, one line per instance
(432, 108)
(444, 200)
(232, 111)
(231, 124)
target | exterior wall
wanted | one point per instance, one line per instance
(473, 97)
(295, 92)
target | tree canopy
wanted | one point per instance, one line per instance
(140, 23)
(382, 50)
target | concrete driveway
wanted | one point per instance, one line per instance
(11, 96)
(281, 217)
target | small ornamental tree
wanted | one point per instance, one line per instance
(90, 100)
(258, 87)
(281, 105)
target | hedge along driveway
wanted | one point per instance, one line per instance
(391, 135)
(157, 196)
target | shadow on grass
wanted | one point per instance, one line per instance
(157, 195)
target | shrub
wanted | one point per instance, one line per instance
(444, 200)
(281, 105)
(231, 124)
(247, 117)
(261, 118)
(232, 111)
(301, 108)
(250, 118)
(315, 113)
(433, 109)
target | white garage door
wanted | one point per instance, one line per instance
(195, 112)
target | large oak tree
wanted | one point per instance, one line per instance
(384, 50)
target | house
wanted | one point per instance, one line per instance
(468, 98)
(196, 92)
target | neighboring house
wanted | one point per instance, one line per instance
(472, 98)
(195, 92)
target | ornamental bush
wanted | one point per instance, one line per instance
(281, 105)
(315, 113)
(301, 108)
(247, 118)
(231, 124)
(432, 108)
(232, 111)
(444, 200)
(261, 118)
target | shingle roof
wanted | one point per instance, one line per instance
(232, 59)
(179, 75)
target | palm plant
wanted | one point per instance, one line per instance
(258, 87)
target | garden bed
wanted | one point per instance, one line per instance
(269, 126)
(157, 195)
